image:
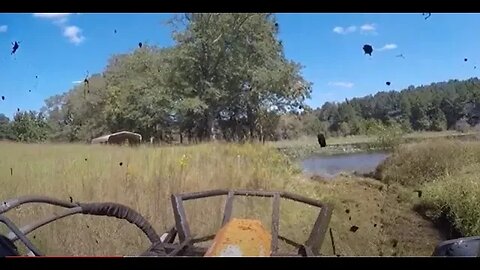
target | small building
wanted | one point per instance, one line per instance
(121, 137)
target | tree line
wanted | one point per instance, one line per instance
(453, 105)
(226, 78)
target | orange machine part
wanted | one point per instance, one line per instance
(241, 237)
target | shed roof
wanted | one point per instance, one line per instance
(105, 138)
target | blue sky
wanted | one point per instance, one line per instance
(61, 48)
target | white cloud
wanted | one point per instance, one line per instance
(387, 47)
(368, 28)
(77, 82)
(3, 28)
(341, 84)
(74, 34)
(51, 15)
(344, 31)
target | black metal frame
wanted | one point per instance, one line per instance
(186, 242)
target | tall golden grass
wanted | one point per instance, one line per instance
(144, 181)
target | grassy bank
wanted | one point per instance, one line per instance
(305, 146)
(447, 173)
(148, 176)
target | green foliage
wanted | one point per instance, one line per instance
(5, 128)
(226, 76)
(434, 107)
(418, 163)
(439, 120)
(462, 125)
(29, 127)
(387, 136)
(455, 197)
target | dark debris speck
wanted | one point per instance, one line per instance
(394, 243)
(353, 228)
(121, 163)
(347, 211)
(15, 47)
(368, 49)
(427, 15)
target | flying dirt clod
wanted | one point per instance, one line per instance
(427, 15)
(15, 47)
(368, 49)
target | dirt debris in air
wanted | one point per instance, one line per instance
(375, 208)
(354, 228)
(16, 45)
(368, 49)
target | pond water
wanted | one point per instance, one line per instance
(330, 166)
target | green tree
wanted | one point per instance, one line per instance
(233, 64)
(5, 128)
(438, 120)
(30, 127)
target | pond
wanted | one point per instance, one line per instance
(332, 165)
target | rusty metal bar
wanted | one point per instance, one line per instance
(289, 241)
(188, 251)
(172, 233)
(285, 255)
(256, 193)
(275, 222)
(203, 239)
(183, 245)
(315, 240)
(306, 251)
(298, 198)
(12, 203)
(180, 218)
(23, 238)
(227, 214)
(31, 227)
(202, 194)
